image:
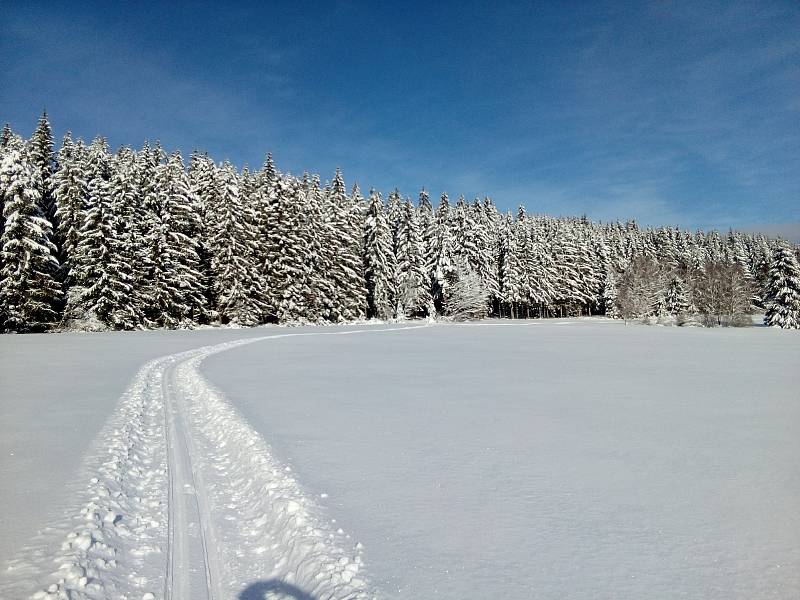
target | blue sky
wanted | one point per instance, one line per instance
(670, 113)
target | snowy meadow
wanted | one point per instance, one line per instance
(569, 458)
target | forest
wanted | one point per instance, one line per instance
(137, 239)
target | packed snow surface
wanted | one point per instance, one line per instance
(538, 459)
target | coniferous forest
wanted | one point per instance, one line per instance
(144, 239)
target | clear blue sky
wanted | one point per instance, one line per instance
(671, 113)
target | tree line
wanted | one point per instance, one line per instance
(140, 239)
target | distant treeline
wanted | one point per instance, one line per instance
(136, 239)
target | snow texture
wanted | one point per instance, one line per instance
(560, 458)
(557, 459)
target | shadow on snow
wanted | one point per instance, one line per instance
(274, 589)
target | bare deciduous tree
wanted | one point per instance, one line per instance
(723, 294)
(467, 298)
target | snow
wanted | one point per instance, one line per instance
(56, 393)
(560, 458)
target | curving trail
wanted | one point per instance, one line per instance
(185, 500)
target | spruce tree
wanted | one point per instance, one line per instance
(233, 256)
(610, 295)
(378, 259)
(783, 290)
(5, 136)
(348, 266)
(177, 292)
(205, 187)
(512, 275)
(40, 150)
(413, 293)
(129, 233)
(441, 255)
(676, 300)
(290, 260)
(427, 227)
(321, 243)
(264, 201)
(29, 290)
(102, 281)
(71, 193)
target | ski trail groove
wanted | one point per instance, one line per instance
(189, 524)
(185, 500)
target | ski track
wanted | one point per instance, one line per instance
(185, 500)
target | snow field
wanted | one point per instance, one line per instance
(185, 500)
(568, 458)
(574, 459)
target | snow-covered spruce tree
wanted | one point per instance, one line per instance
(176, 283)
(441, 252)
(130, 237)
(147, 161)
(29, 290)
(322, 242)
(394, 214)
(265, 190)
(486, 221)
(470, 241)
(101, 294)
(413, 291)
(206, 191)
(676, 300)
(70, 190)
(538, 265)
(378, 259)
(5, 135)
(427, 227)
(610, 295)
(249, 192)
(40, 150)
(512, 274)
(466, 297)
(233, 266)
(348, 265)
(293, 266)
(278, 265)
(783, 290)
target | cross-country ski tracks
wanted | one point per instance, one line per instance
(185, 500)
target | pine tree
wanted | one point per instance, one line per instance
(378, 259)
(783, 290)
(29, 290)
